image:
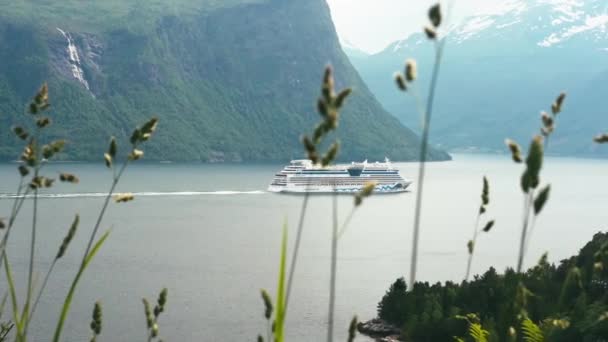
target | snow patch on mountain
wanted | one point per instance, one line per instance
(512, 7)
(406, 43)
(501, 26)
(402, 44)
(499, 16)
(598, 22)
(569, 10)
(473, 27)
(541, 23)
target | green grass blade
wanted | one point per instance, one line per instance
(280, 318)
(68, 300)
(3, 304)
(13, 294)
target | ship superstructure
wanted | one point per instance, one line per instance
(302, 176)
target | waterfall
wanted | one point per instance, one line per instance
(74, 60)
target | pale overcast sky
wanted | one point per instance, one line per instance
(373, 24)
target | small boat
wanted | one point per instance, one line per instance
(302, 176)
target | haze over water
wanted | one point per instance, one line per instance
(211, 234)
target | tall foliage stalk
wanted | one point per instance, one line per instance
(138, 137)
(34, 157)
(534, 198)
(403, 81)
(30, 277)
(333, 269)
(472, 244)
(328, 106)
(296, 249)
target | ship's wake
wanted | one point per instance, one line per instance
(141, 194)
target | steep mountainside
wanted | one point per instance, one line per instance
(501, 69)
(230, 80)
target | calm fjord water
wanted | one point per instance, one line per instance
(211, 234)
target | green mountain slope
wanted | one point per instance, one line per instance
(230, 80)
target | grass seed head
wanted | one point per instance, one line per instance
(41, 100)
(411, 71)
(400, 80)
(331, 154)
(69, 178)
(559, 101)
(339, 101)
(113, 147)
(29, 155)
(366, 191)
(308, 145)
(150, 126)
(97, 319)
(268, 308)
(435, 15)
(23, 170)
(135, 136)
(122, 198)
(20, 132)
(541, 199)
(107, 159)
(43, 122)
(601, 138)
(546, 119)
(327, 88)
(430, 33)
(358, 200)
(42, 96)
(136, 154)
(488, 226)
(148, 313)
(322, 108)
(162, 298)
(352, 329)
(368, 188)
(515, 150)
(68, 238)
(534, 161)
(485, 193)
(48, 151)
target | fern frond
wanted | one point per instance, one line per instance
(531, 332)
(477, 333)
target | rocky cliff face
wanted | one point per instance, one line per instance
(236, 83)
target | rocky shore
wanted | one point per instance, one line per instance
(380, 330)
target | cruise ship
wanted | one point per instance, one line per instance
(303, 176)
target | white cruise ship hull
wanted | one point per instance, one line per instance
(338, 189)
(300, 176)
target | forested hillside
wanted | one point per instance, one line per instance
(230, 80)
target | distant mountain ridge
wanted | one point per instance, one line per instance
(501, 69)
(231, 80)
